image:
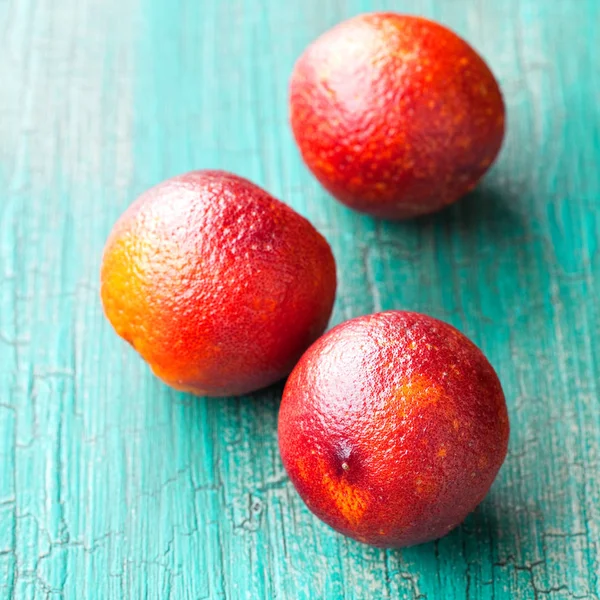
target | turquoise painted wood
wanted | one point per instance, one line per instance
(113, 486)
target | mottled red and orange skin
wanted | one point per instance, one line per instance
(392, 428)
(219, 286)
(395, 115)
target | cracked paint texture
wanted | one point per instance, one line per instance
(113, 486)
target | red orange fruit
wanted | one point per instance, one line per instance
(395, 115)
(219, 286)
(392, 428)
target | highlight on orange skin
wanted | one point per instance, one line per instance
(385, 441)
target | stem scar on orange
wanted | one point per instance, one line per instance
(219, 286)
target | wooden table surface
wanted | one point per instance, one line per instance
(114, 486)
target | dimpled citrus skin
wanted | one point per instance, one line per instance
(219, 286)
(392, 428)
(395, 115)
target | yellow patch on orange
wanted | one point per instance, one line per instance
(123, 290)
(442, 452)
(417, 393)
(303, 470)
(350, 501)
